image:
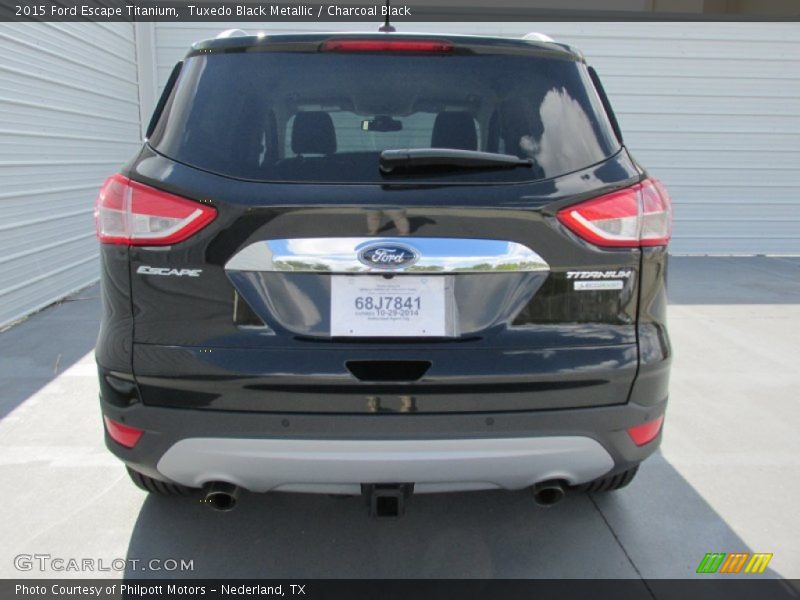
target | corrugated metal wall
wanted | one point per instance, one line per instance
(713, 109)
(69, 116)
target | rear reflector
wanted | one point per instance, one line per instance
(640, 215)
(372, 45)
(131, 213)
(646, 432)
(123, 434)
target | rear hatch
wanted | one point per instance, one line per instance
(327, 282)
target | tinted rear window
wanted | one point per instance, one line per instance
(325, 117)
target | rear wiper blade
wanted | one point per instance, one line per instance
(448, 158)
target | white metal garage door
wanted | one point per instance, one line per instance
(713, 109)
(69, 116)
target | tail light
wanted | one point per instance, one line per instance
(373, 45)
(123, 434)
(646, 432)
(131, 213)
(640, 215)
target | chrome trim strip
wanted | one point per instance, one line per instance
(341, 255)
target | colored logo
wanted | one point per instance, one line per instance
(735, 562)
(388, 256)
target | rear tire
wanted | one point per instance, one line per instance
(155, 486)
(609, 484)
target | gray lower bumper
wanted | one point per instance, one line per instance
(341, 466)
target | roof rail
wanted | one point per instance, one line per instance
(230, 33)
(535, 36)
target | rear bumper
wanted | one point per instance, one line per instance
(336, 454)
(315, 378)
(341, 466)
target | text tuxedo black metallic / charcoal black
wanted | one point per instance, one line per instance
(383, 263)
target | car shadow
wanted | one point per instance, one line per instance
(36, 351)
(658, 527)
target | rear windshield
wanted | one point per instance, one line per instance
(326, 117)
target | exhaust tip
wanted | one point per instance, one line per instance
(548, 493)
(221, 496)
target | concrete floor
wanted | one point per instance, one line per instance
(727, 478)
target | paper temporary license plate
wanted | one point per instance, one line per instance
(402, 306)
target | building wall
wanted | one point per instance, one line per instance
(69, 117)
(713, 109)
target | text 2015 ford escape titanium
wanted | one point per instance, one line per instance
(379, 264)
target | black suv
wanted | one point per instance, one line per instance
(379, 264)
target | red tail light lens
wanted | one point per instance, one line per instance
(131, 213)
(123, 434)
(646, 432)
(656, 214)
(372, 45)
(640, 215)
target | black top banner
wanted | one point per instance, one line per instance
(397, 11)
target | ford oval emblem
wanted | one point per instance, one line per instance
(388, 255)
